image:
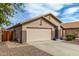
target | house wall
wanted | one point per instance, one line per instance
(17, 33)
(63, 34)
(60, 33)
(36, 23)
(74, 31)
(54, 21)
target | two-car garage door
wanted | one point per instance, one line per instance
(38, 34)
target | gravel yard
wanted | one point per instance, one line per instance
(21, 51)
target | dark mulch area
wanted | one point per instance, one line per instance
(73, 42)
(23, 51)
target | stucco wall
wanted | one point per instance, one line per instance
(54, 21)
(71, 32)
(37, 24)
(17, 34)
(57, 23)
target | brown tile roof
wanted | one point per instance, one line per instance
(70, 25)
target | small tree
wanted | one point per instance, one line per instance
(8, 10)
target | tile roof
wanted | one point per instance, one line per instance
(70, 25)
(34, 18)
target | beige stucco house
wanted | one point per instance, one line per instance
(44, 27)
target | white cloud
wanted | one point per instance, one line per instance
(56, 6)
(67, 15)
(69, 19)
(71, 10)
(68, 4)
(36, 9)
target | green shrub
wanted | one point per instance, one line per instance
(70, 37)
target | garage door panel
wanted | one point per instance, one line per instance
(38, 34)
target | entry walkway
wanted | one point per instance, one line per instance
(57, 48)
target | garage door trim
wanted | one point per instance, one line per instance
(39, 28)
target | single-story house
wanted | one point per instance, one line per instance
(44, 27)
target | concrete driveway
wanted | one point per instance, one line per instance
(57, 48)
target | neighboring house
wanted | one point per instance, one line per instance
(71, 28)
(44, 27)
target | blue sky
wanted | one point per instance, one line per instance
(64, 12)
